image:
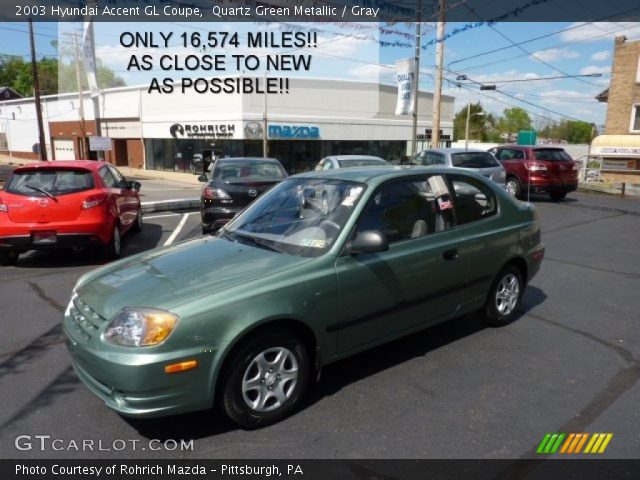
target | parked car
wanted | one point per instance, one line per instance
(350, 161)
(478, 161)
(67, 204)
(538, 169)
(232, 184)
(246, 319)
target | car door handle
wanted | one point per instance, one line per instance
(450, 254)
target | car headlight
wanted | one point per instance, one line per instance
(140, 327)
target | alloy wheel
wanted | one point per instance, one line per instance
(270, 379)
(507, 294)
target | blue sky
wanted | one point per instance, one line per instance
(361, 52)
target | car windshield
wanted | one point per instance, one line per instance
(362, 162)
(50, 181)
(242, 171)
(553, 154)
(473, 160)
(301, 216)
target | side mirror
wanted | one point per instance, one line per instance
(368, 241)
(203, 178)
(134, 186)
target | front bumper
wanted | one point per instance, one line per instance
(132, 381)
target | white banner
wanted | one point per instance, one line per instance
(89, 57)
(405, 71)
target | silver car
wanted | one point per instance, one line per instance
(349, 161)
(479, 161)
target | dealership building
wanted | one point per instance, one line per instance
(156, 131)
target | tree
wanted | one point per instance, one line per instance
(514, 119)
(477, 123)
(54, 76)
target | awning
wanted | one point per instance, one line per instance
(615, 146)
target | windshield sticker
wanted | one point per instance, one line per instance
(311, 242)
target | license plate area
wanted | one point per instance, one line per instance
(47, 237)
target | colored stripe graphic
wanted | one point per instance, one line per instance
(572, 443)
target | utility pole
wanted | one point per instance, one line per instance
(437, 94)
(466, 129)
(265, 126)
(83, 130)
(42, 151)
(416, 81)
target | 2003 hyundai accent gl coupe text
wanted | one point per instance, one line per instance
(323, 265)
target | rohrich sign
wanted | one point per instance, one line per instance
(202, 130)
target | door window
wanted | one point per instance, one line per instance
(472, 199)
(107, 178)
(407, 209)
(120, 180)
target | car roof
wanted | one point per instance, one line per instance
(533, 147)
(377, 174)
(354, 157)
(87, 164)
(454, 150)
(248, 159)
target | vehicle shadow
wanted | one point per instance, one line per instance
(544, 198)
(134, 243)
(336, 376)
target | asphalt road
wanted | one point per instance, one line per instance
(570, 363)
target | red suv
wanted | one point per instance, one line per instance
(540, 168)
(66, 204)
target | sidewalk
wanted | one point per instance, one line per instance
(178, 177)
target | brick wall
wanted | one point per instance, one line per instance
(623, 90)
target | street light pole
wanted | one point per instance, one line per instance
(466, 129)
(437, 94)
(416, 81)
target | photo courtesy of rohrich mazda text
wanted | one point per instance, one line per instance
(339, 239)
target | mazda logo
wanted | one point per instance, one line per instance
(253, 130)
(253, 193)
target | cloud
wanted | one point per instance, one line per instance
(591, 69)
(592, 32)
(601, 56)
(372, 73)
(555, 54)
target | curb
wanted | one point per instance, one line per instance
(170, 205)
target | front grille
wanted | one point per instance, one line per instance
(85, 318)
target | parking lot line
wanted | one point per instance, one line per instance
(151, 217)
(175, 233)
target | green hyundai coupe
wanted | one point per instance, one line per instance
(320, 267)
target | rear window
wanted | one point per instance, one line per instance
(473, 160)
(244, 170)
(53, 181)
(552, 154)
(361, 162)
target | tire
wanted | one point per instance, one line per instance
(9, 258)
(513, 186)
(112, 250)
(557, 196)
(139, 225)
(254, 396)
(504, 297)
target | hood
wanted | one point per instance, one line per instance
(171, 276)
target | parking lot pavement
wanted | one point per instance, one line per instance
(570, 363)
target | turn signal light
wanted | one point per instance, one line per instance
(215, 194)
(181, 367)
(535, 167)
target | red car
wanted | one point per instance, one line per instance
(541, 168)
(66, 204)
